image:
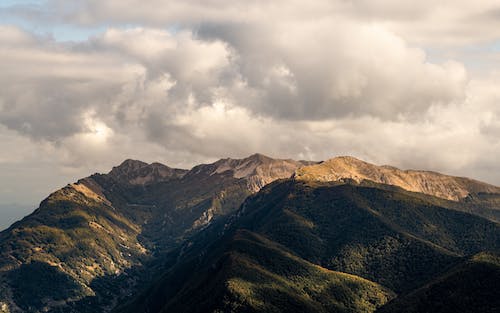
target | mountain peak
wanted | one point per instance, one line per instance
(136, 172)
(431, 183)
(259, 157)
(129, 165)
(257, 169)
(241, 168)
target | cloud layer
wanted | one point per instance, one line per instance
(184, 82)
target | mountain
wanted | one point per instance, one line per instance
(466, 194)
(266, 258)
(136, 172)
(258, 170)
(55, 254)
(246, 272)
(430, 183)
(112, 229)
(469, 287)
(245, 235)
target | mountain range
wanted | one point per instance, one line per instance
(257, 235)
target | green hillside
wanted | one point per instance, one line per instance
(72, 238)
(250, 273)
(470, 287)
(390, 237)
(293, 240)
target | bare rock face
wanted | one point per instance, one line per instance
(140, 173)
(431, 183)
(258, 170)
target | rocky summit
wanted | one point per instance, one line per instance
(257, 235)
(430, 183)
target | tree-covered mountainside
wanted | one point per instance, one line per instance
(469, 195)
(246, 272)
(255, 262)
(390, 237)
(249, 235)
(74, 237)
(470, 287)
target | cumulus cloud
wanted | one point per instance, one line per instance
(336, 68)
(48, 88)
(281, 59)
(138, 75)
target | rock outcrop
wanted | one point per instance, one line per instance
(431, 183)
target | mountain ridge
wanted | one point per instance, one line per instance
(108, 235)
(427, 182)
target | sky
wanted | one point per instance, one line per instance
(85, 85)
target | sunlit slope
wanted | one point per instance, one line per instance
(431, 183)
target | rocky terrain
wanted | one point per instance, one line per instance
(251, 235)
(430, 183)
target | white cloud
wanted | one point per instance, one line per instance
(337, 68)
(447, 22)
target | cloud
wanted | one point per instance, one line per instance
(220, 89)
(449, 22)
(141, 74)
(47, 88)
(336, 68)
(285, 59)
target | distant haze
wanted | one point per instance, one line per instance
(12, 212)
